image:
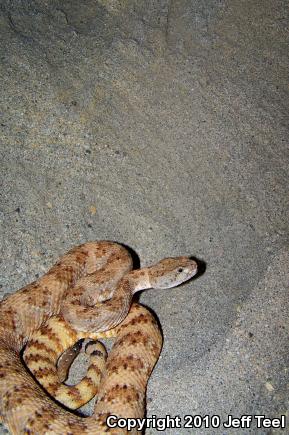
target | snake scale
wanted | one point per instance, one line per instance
(86, 294)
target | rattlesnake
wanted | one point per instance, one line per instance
(88, 292)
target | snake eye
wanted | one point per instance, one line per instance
(180, 269)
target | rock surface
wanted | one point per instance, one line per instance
(162, 125)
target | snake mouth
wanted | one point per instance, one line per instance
(200, 266)
(195, 271)
(192, 273)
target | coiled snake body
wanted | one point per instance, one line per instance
(88, 292)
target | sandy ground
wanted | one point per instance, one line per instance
(162, 125)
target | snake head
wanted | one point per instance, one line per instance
(171, 272)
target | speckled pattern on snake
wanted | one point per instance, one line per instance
(88, 292)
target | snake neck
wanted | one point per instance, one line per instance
(139, 280)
